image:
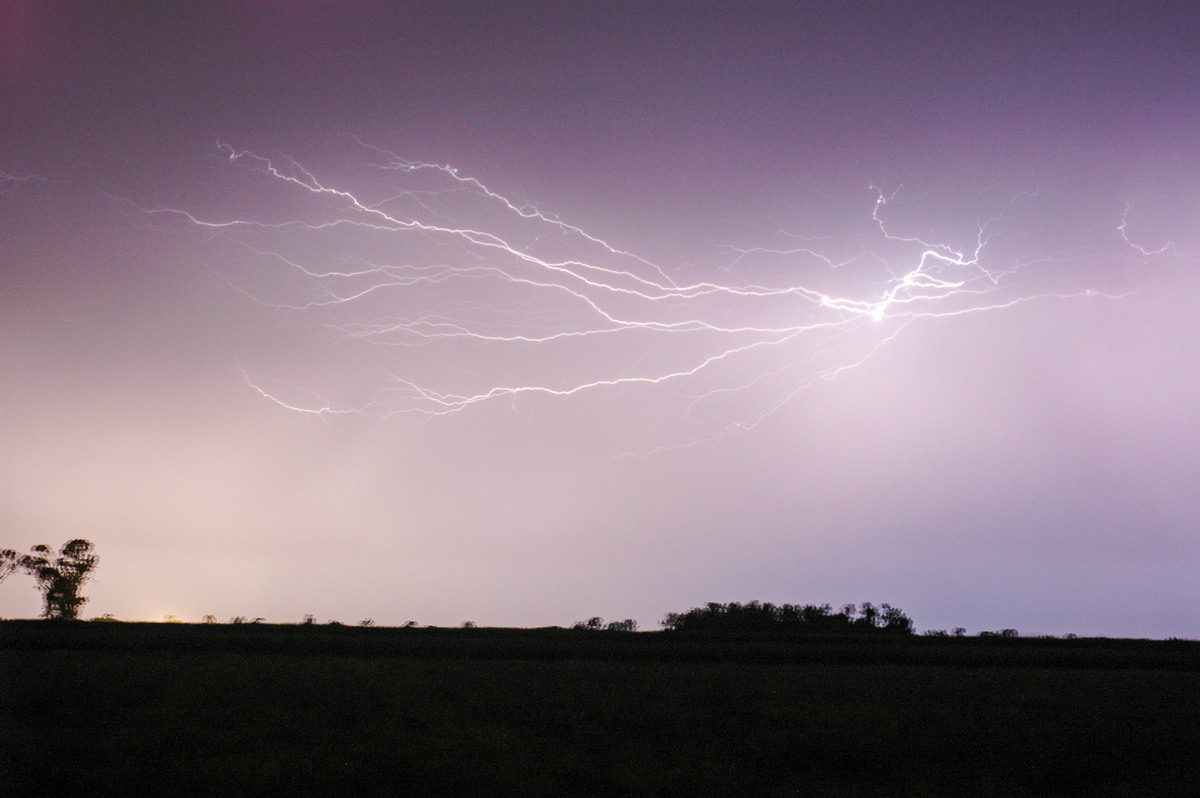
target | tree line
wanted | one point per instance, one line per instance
(794, 618)
(60, 577)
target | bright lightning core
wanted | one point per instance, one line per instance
(476, 299)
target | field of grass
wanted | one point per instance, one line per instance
(227, 710)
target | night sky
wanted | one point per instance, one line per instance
(524, 313)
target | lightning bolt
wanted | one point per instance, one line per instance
(417, 255)
(1123, 229)
(10, 182)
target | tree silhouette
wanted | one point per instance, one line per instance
(10, 561)
(58, 577)
(596, 624)
(791, 618)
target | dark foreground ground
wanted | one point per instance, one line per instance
(110, 708)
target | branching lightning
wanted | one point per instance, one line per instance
(483, 299)
(1123, 229)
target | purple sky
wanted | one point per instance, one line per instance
(1009, 437)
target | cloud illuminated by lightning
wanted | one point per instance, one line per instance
(481, 299)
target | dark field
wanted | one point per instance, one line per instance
(102, 708)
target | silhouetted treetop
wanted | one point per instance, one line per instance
(596, 624)
(794, 618)
(58, 577)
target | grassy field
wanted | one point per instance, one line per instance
(226, 710)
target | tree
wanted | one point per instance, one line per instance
(58, 577)
(627, 625)
(759, 617)
(10, 561)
